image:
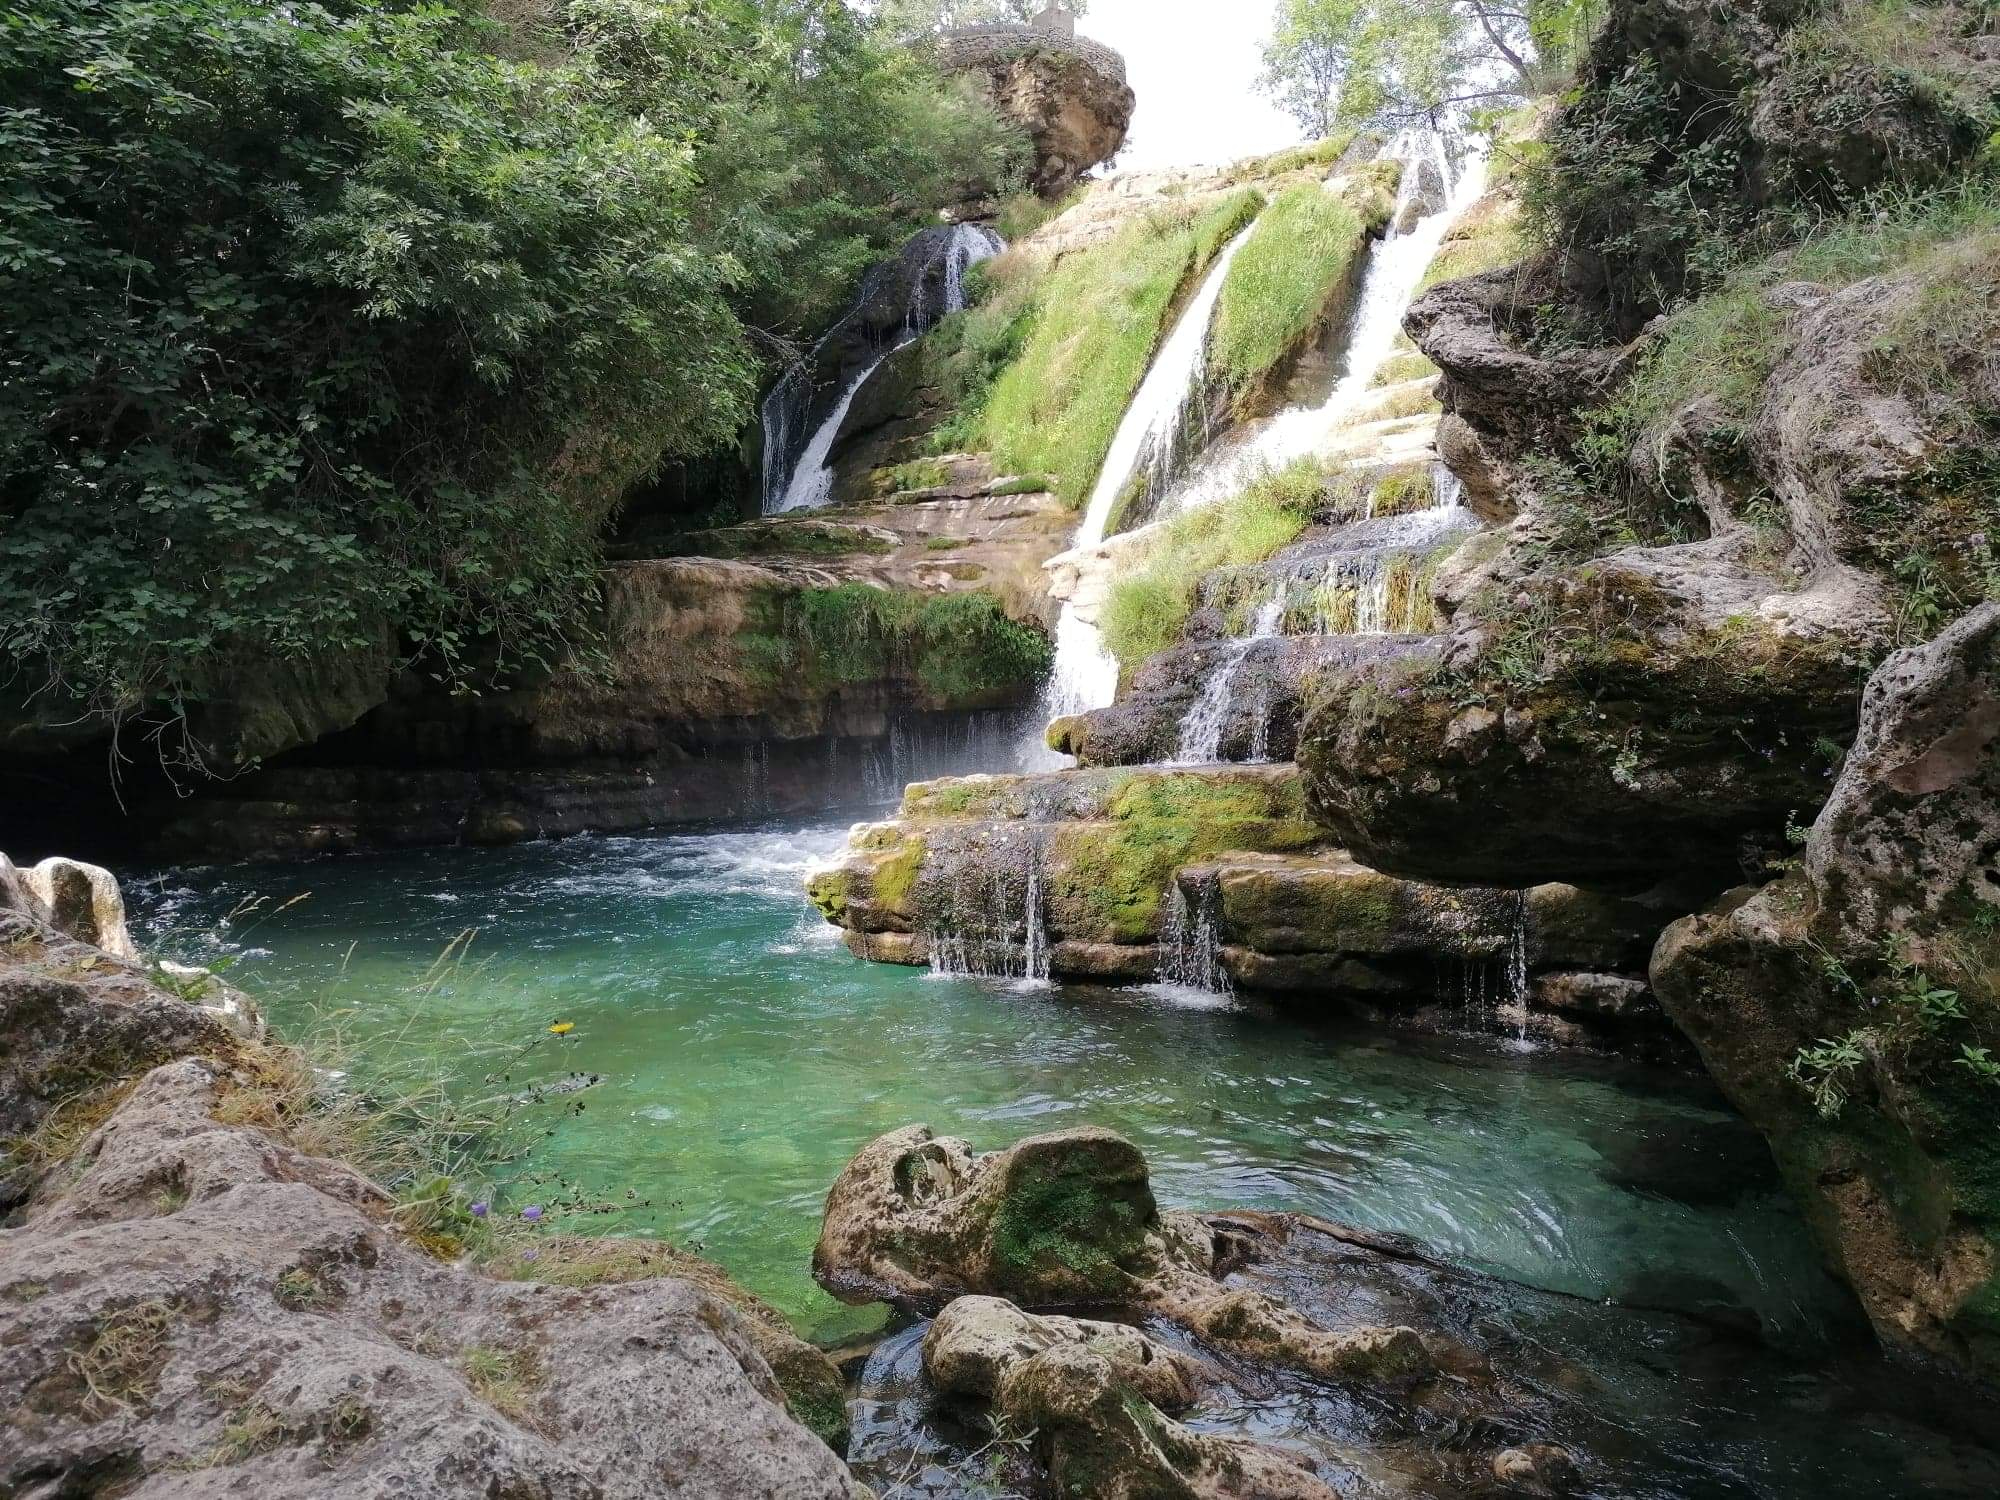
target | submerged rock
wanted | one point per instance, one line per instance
(1847, 1009)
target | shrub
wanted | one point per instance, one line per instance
(961, 647)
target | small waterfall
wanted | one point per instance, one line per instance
(1517, 966)
(1191, 942)
(796, 473)
(985, 934)
(1085, 675)
(1202, 729)
(1396, 264)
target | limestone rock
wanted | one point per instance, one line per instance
(253, 1322)
(83, 901)
(192, 1304)
(1882, 948)
(1099, 1441)
(1067, 1219)
(1075, 110)
(976, 1341)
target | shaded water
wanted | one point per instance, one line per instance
(747, 1056)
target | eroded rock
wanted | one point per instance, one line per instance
(1067, 1219)
(1839, 1005)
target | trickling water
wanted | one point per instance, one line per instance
(1191, 945)
(1202, 729)
(981, 932)
(1517, 966)
(1084, 675)
(798, 477)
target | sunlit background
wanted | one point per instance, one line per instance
(1194, 65)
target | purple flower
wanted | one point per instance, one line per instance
(529, 1254)
(532, 1213)
(479, 1210)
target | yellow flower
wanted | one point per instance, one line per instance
(562, 1028)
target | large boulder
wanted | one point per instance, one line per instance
(1071, 99)
(1849, 1009)
(1067, 1219)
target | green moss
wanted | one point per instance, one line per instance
(946, 543)
(1120, 869)
(960, 647)
(1081, 343)
(1020, 484)
(896, 877)
(1290, 279)
(918, 474)
(778, 539)
(1060, 1215)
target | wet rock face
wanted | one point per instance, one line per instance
(193, 1305)
(1884, 943)
(1148, 723)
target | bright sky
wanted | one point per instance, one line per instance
(1194, 65)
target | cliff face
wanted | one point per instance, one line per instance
(1720, 523)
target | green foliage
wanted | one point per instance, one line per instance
(1401, 63)
(961, 647)
(1287, 282)
(1148, 607)
(331, 335)
(1826, 1072)
(912, 18)
(1315, 156)
(1068, 360)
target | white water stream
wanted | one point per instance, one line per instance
(806, 482)
(1396, 267)
(1085, 675)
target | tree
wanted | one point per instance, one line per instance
(1395, 63)
(330, 334)
(909, 18)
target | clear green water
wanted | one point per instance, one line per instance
(747, 1056)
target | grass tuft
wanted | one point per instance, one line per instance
(1291, 278)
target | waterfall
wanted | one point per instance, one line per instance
(1202, 729)
(1396, 264)
(1085, 675)
(977, 938)
(1191, 942)
(1517, 966)
(797, 475)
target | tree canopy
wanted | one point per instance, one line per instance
(1396, 63)
(915, 17)
(341, 326)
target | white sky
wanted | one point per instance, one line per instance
(1194, 65)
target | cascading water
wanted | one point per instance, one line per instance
(1191, 946)
(1084, 675)
(1396, 266)
(978, 935)
(797, 475)
(1202, 729)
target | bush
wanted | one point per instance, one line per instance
(961, 647)
(1147, 609)
(330, 334)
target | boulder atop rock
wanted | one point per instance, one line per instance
(1068, 93)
